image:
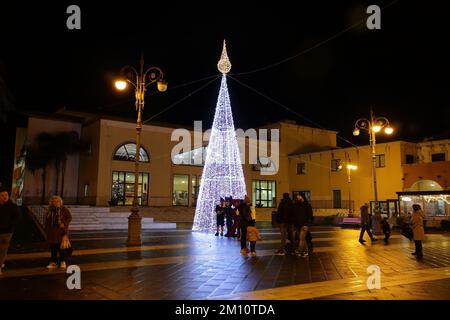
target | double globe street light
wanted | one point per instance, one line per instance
(373, 126)
(140, 81)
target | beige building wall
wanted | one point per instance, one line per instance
(320, 180)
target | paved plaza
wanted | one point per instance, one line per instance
(179, 264)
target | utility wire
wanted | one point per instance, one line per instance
(182, 99)
(290, 110)
(308, 49)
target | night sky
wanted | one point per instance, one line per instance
(402, 70)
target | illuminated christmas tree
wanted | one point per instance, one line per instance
(222, 174)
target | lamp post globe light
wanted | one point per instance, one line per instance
(373, 126)
(350, 167)
(140, 81)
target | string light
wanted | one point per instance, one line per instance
(222, 174)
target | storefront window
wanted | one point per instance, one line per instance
(122, 190)
(127, 152)
(434, 204)
(180, 190)
(264, 193)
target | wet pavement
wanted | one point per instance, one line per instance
(180, 264)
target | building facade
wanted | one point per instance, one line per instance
(309, 162)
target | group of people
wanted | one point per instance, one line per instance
(413, 221)
(56, 225)
(294, 218)
(240, 216)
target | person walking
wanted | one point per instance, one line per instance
(56, 225)
(245, 218)
(253, 236)
(284, 219)
(365, 224)
(220, 217)
(417, 218)
(9, 216)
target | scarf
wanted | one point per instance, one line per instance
(54, 216)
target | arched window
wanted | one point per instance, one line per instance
(127, 152)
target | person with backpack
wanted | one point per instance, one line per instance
(284, 219)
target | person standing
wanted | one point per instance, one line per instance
(284, 219)
(9, 216)
(253, 236)
(228, 212)
(56, 225)
(245, 218)
(417, 218)
(220, 217)
(302, 218)
(365, 224)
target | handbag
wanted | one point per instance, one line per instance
(407, 231)
(66, 248)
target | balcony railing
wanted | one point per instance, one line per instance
(330, 204)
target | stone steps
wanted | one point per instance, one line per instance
(101, 218)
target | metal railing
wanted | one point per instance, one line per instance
(330, 204)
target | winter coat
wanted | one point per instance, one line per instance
(245, 215)
(9, 216)
(417, 225)
(302, 214)
(285, 211)
(53, 219)
(253, 234)
(365, 217)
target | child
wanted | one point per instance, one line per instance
(386, 230)
(253, 236)
(220, 214)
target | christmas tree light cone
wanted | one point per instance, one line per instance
(222, 174)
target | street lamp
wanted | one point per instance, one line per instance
(373, 126)
(350, 167)
(140, 81)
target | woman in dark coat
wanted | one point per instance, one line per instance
(56, 225)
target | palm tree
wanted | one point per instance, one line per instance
(70, 144)
(38, 156)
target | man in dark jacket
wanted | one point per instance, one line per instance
(245, 218)
(284, 217)
(365, 223)
(228, 211)
(9, 215)
(303, 216)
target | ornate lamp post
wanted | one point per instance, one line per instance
(140, 81)
(350, 167)
(373, 126)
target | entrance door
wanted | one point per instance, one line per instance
(337, 200)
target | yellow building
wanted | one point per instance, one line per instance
(309, 161)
